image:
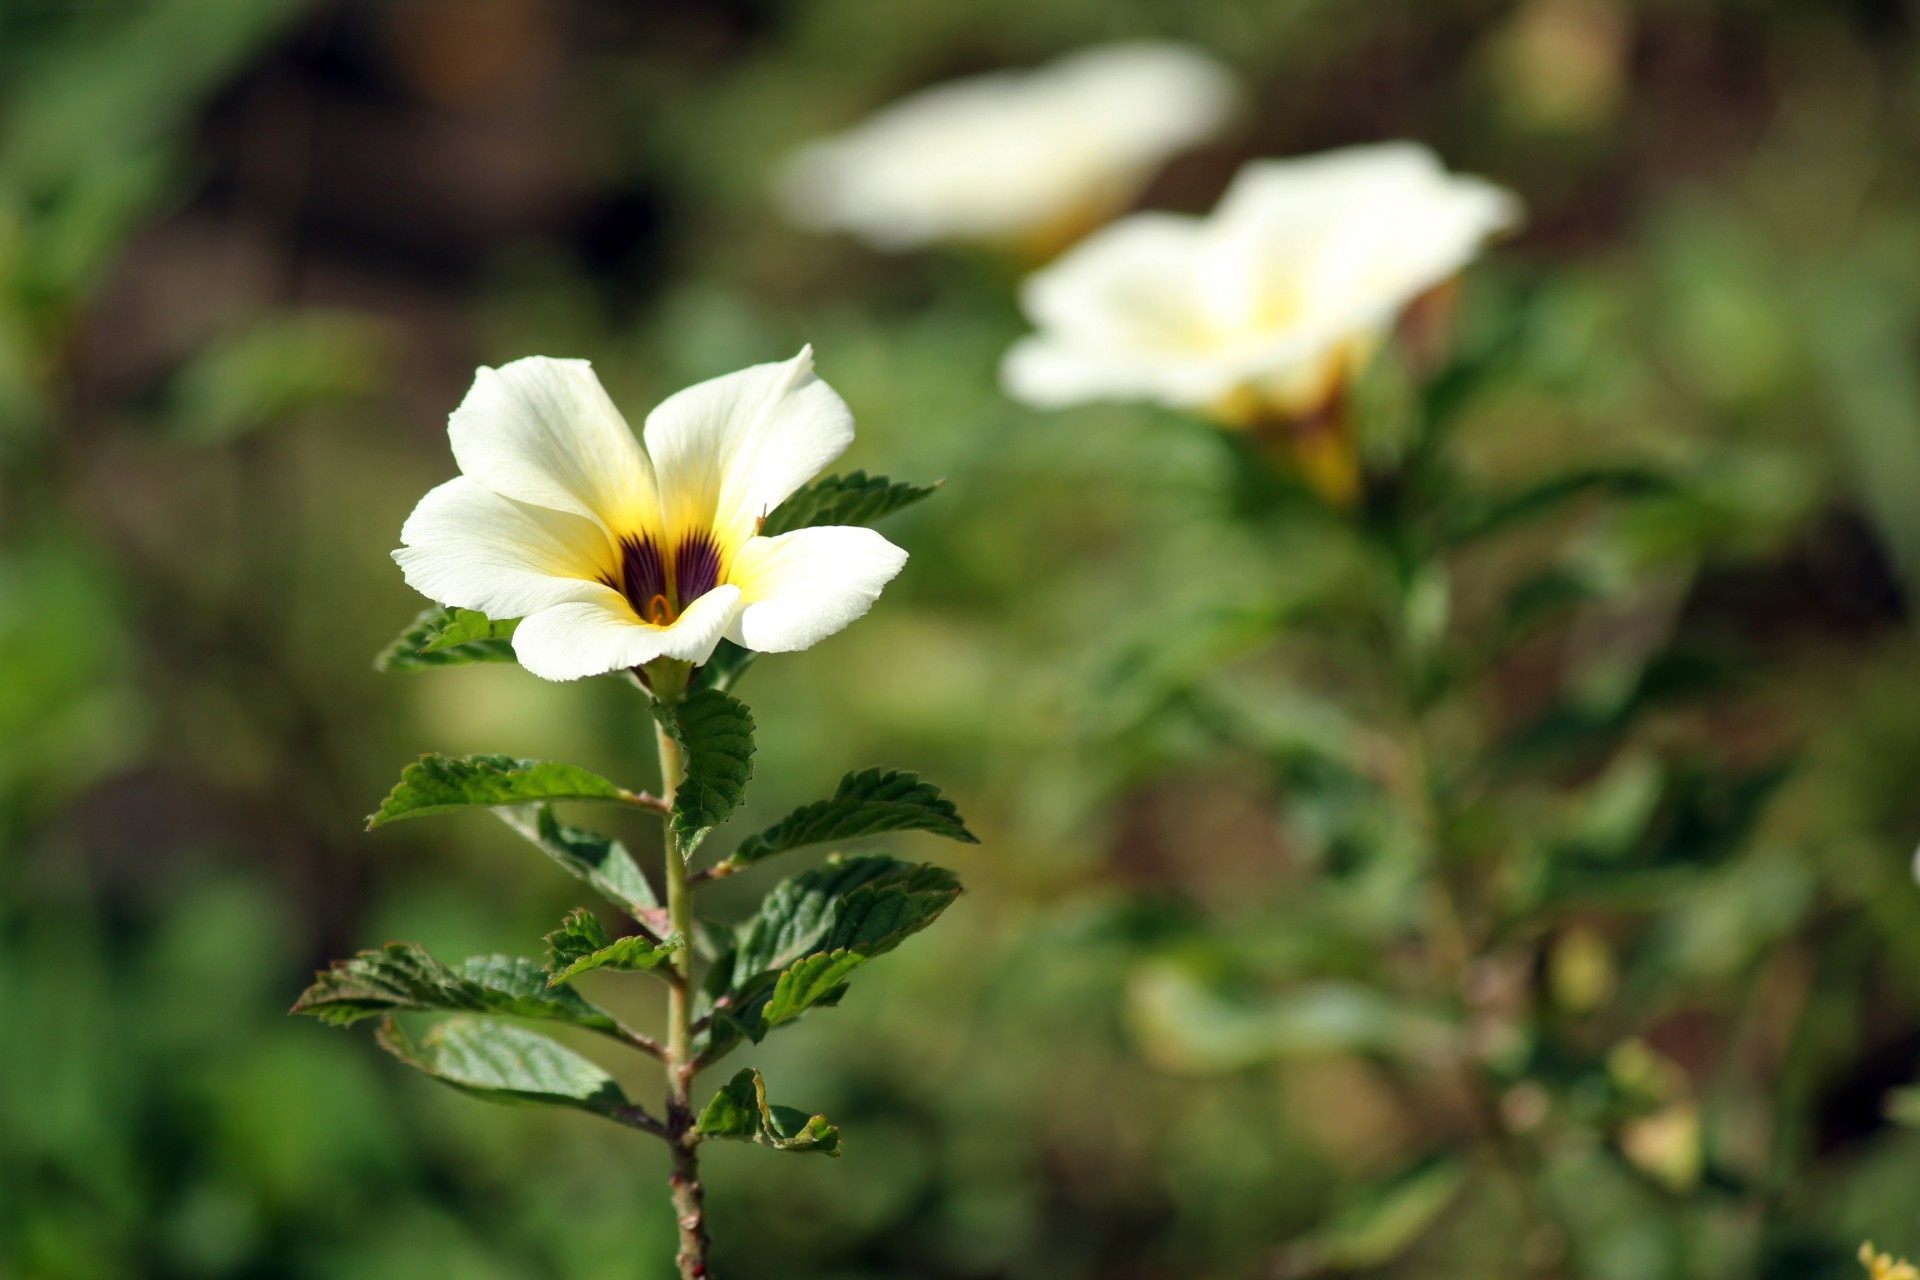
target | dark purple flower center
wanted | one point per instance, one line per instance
(660, 587)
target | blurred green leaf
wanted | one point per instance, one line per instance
(1546, 597)
(1383, 1225)
(275, 367)
(601, 861)
(854, 498)
(581, 943)
(867, 803)
(443, 784)
(1188, 1024)
(445, 638)
(1481, 515)
(1587, 720)
(1903, 1107)
(740, 1111)
(402, 975)
(1863, 337)
(715, 732)
(503, 1063)
(1631, 846)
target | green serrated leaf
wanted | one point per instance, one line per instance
(402, 975)
(601, 861)
(815, 982)
(465, 626)
(866, 803)
(428, 641)
(581, 943)
(812, 932)
(504, 1063)
(854, 498)
(715, 733)
(740, 1111)
(823, 909)
(443, 784)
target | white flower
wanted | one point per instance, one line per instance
(1265, 307)
(1010, 156)
(614, 553)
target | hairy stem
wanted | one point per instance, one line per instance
(688, 1197)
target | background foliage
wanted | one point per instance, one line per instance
(250, 251)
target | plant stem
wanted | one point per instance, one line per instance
(1455, 947)
(688, 1196)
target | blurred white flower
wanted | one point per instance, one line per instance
(615, 554)
(1025, 157)
(1261, 311)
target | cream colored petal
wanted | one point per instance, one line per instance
(1049, 373)
(593, 637)
(801, 587)
(1009, 154)
(1357, 232)
(1130, 283)
(544, 431)
(468, 547)
(729, 450)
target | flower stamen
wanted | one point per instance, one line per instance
(659, 587)
(696, 567)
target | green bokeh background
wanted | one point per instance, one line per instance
(250, 252)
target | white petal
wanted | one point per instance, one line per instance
(801, 587)
(729, 450)
(1128, 282)
(1049, 372)
(543, 431)
(1009, 153)
(467, 546)
(1294, 279)
(1358, 232)
(592, 637)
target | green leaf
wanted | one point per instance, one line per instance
(715, 733)
(854, 498)
(862, 902)
(443, 784)
(1903, 1106)
(402, 975)
(1188, 1024)
(581, 943)
(865, 804)
(601, 861)
(724, 669)
(504, 1063)
(812, 932)
(1480, 516)
(274, 366)
(446, 638)
(740, 1111)
(815, 982)
(465, 626)
(1380, 1227)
